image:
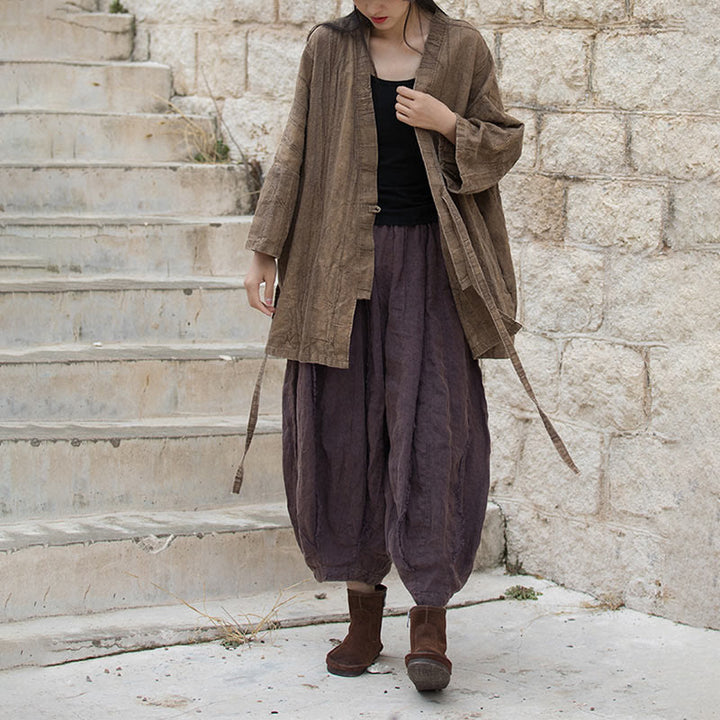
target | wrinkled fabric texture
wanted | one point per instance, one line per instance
(388, 460)
(317, 207)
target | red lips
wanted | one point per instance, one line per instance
(379, 20)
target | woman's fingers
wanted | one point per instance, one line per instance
(423, 110)
(404, 102)
(260, 283)
(407, 92)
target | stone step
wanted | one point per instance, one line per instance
(13, 266)
(154, 189)
(24, 13)
(140, 138)
(51, 470)
(171, 246)
(122, 383)
(65, 35)
(97, 563)
(91, 564)
(112, 310)
(138, 87)
(56, 640)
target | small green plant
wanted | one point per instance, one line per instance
(117, 8)
(514, 567)
(217, 153)
(522, 592)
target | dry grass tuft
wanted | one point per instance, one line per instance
(203, 146)
(209, 147)
(234, 632)
(606, 601)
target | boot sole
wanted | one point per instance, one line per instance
(428, 674)
(348, 671)
(343, 672)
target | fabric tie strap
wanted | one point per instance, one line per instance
(480, 284)
(252, 423)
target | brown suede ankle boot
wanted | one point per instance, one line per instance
(427, 665)
(362, 644)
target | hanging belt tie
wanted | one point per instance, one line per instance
(252, 423)
(480, 284)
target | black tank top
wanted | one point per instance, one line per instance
(403, 191)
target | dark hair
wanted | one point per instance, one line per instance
(356, 20)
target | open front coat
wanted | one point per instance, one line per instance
(317, 206)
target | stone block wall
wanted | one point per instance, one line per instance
(613, 215)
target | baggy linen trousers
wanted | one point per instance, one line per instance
(387, 461)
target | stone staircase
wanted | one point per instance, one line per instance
(127, 351)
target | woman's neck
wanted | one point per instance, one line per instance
(397, 56)
(413, 31)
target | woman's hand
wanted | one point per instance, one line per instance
(425, 111)
(262, 270)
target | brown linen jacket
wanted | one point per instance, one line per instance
(317, 206)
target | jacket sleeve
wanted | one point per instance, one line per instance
(278, 197)
(488, 140)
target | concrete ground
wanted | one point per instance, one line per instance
(560, 656)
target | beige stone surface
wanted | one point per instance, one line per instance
(77, 314)
(195, 105)
(668, 298)
(98, 137)
(221, 63)
(154, 189)
(582, 143)
(546, 482)
(100, 576)
(685, 389)
(625, 215)
(697, 16)
(690, 577)
(585, 11)
(647, 69)
(207, 11)
(497, 11)
(528, 159)
(604, 385)
(176, 46)
(63, 35)
(273, 59)
(677, 146)
(136, 474)
(256, 122)
(71, 86)
(607, 558)
(346, 6)
(533, 206)
(507, 435)
(141, 42)
(544, 66)
(541, 359)
(139, 389)
(562, 288)
(695, 214)
(299, 13)
(658, 10)
(458, 8)
(648, 476)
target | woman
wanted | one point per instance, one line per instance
(383, 212)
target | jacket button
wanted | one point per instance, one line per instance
(375, 209)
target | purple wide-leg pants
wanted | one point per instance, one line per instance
(388, 460)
